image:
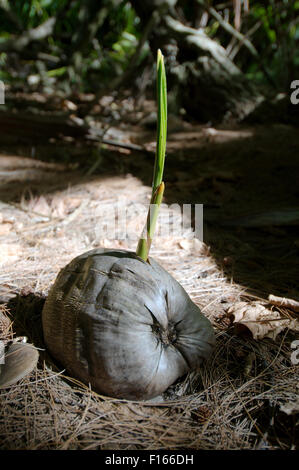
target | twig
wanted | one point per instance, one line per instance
(116, 143)
(284, 302)
(233, 49)
(28, 211)
(237, 9)
(127, 145)
(230, 29)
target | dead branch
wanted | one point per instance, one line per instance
(202, 42)
(230, 29)
(284, 302)
(239, 36)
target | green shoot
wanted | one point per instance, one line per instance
(161, 123)
(145, 241)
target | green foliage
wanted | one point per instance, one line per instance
(275, 39)
(124, 48)
(57, 72)
(106, 54)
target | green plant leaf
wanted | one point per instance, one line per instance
(158, 185)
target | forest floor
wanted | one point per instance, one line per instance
(52, 198)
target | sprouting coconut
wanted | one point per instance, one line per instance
(117, 320)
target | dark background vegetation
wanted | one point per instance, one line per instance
(68, 46)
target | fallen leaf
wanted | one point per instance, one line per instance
(261, 321)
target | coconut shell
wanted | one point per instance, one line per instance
(124, 325)
(20, 360)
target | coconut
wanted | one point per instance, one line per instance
(123, 325)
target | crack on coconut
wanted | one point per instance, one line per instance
(167, 336)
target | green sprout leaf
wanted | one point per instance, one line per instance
(144, 243)
(162, 122)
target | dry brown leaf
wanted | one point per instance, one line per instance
(261, 321)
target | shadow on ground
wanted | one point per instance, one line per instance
(233, 173)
